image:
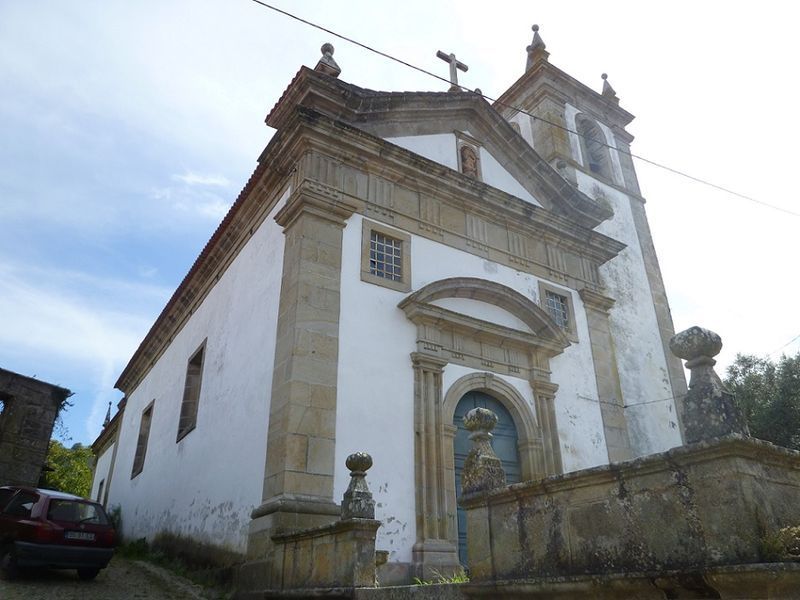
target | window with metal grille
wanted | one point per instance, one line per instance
(558, 308)
(141, 443)
(385, 256)
(191, 393)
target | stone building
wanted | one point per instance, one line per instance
(28, 411)
(395, 260)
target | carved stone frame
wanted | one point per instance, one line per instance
(404, 284)
(571, 329)
(526, 354)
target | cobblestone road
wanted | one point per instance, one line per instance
(121, 580)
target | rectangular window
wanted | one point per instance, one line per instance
(558, 308)
(385, 256)
(191, 393)
(141, 443)
(22, 504)
(557, 302)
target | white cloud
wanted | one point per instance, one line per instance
(59, 324)
(191, 178)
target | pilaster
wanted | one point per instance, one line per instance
(545, 396)
(550, 131)
(606, 374)
(435, 548)
(298, 478)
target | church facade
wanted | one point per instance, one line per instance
(395, 260)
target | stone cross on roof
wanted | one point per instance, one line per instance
(454, 64)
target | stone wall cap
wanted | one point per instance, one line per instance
(341, 526)
(733, 445)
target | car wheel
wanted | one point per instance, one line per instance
(8, 563)
(87, 574)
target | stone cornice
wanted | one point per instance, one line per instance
(592, 299)
(420, 313)
(384, 113)
(359, 149)
(320, 200)
(542, 388)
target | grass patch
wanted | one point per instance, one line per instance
(459, 576)
(202, 563)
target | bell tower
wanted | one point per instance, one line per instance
(581, 133)
(574, 127)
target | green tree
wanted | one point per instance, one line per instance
(71, 472)
(769, 395)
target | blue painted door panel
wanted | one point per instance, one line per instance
(504, 443)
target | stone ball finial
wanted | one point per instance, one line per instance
(327, 49)
(604, 76)
(359, 462)
(480, 419)
(535, 28)
(694, 343)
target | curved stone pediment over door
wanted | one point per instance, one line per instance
(521, 346)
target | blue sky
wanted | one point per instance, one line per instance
(127, 129)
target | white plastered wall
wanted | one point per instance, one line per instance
(101, 469)
(646, 390)
(375, 401)
(206, 485)
(442, 148)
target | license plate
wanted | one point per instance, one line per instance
(79, 535)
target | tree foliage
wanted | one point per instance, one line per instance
(769, 395)
(71, 472)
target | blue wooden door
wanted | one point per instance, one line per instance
(504, 443)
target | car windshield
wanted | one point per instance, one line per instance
(75, 511)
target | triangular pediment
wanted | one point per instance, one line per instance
(406, 114)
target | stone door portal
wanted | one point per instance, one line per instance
(504, 442)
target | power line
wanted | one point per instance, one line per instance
(535, 117)
(797, 337)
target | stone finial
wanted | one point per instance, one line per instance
(608, 91)
(709, 410)
(357, 502)
(482, 469)
(326, 64)
(107, 420)
(696, 344)
(536, 51)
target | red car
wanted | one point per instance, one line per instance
(45, 528)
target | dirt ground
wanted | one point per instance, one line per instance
(121, 580)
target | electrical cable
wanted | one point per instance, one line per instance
(535, 117)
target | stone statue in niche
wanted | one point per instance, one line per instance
(469, 161)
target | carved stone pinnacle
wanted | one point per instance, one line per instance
(709, 410)
(357, 502)
(482, 469)
(326, 64)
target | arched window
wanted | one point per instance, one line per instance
(593, 147)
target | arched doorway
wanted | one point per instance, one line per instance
(504, 442)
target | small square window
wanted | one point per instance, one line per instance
(385, 257)
(558, 304)
(558, 308)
